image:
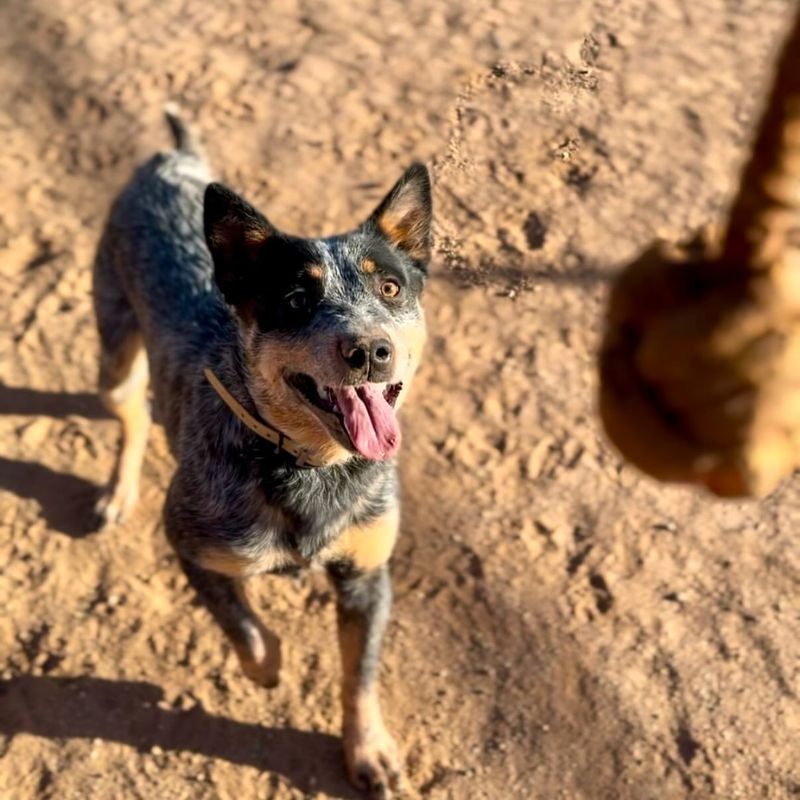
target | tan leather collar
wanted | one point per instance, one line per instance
(263, 430)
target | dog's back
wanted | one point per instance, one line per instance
(153, 276)
(154, 242)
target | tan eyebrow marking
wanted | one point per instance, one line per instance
(368, 266)
(255, 236)
(315, 271)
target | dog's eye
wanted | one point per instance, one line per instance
(390, 288)
(297, 300)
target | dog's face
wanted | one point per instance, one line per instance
(333, 328)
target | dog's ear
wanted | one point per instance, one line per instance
(235, 234)
(404, 216)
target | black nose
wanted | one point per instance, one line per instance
(367, 359)
(380, 351)
(355, 354)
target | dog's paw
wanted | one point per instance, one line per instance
(260, 654)
(373, 762)
(116, 505)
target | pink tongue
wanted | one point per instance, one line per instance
(369, 420)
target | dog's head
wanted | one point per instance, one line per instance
(333, 328)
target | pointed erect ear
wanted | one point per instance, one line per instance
(404, 216)
(235, 234)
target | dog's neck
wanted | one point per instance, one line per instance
(262, 428)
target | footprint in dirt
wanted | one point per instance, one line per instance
(603, 598)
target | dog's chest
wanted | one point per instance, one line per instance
(366, 544)
(312, 519)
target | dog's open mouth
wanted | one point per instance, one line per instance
(364, 413)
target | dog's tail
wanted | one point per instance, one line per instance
(185, 140)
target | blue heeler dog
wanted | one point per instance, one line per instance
(278, 366)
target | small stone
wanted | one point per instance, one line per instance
(35, 433)
(538, 457)
(220, 89)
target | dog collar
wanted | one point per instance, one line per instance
(261, 429)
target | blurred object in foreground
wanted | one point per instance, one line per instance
(700, 362)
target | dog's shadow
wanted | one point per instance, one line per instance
(37, 403)
(67, 501)
(128, 712)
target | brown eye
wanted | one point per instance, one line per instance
(297, 300)
(390, 288)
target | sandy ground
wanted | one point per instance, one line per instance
(563, 628)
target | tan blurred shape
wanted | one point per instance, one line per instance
(700, 360)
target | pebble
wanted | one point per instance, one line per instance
(35, 433)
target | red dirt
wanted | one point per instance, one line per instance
(563, 627)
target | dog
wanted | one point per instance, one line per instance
(278, 366)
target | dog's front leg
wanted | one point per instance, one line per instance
(363, 604)
(258, 648)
